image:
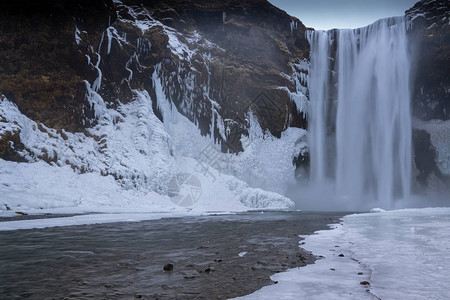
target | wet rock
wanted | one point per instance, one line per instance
(209, 269)
(364, 283)
(425, 157)
(168, 267)
(341, 255)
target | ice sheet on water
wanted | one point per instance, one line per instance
(407, 250)
(242, 254)
(403, 254)
(79, 220)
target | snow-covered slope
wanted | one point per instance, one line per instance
(131, 167)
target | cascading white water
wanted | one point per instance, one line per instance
(318, 87)
(360, 120)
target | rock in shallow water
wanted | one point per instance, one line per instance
(168, 267)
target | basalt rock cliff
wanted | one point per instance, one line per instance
(429, 31)
(214, 58)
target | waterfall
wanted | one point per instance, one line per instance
(360, 120)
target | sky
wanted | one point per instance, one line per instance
(328, 14)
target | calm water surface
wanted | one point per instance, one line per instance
(125, 260)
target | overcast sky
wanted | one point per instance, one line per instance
(328, 14)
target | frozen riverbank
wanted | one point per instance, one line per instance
(401, 254)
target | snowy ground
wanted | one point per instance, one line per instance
(402, 254)
(37, 188)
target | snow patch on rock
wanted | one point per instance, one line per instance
(439, 131)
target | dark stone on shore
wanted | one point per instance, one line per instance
(364, 283)
(341, 255)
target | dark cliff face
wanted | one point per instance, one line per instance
(430, 34)
(255, 47)
(229, 53)
(42, 68)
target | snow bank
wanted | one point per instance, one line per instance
(124, 164)
(129, 144)
(401, 254)
(267, 161)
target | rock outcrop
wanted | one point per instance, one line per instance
(429, 23)
(429, 30)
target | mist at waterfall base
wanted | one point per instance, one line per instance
(360, 120)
